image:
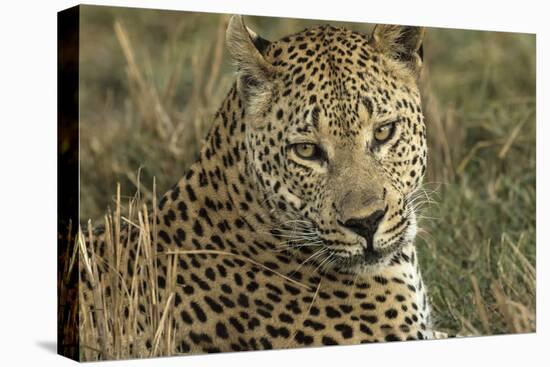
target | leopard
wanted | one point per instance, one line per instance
(296, 225)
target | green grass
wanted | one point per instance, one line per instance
(484, 233)
(150, 86)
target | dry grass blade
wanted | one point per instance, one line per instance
(162, 324)
(148, 94)
(74, 256)
(307, 312)
(217, 59)
(225, 253)
(512, 137)
(84, 255)
(480, 306)
(133, 224)
(518, 317)
(92, 271)
(529, 268)
(144, 235)
(502, 304)
(465, 323)
(471, 154)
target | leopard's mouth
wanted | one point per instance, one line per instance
(367, 258)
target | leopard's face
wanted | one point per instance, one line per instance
(338, 148)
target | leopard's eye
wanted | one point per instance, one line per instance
(308, 151)
(384, 133)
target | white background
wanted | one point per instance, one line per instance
(28, 144)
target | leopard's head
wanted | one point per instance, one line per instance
(336, 140)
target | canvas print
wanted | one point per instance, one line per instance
(235, 183)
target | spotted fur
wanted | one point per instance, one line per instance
(299, 252)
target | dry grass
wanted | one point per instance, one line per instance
(150, 86)
(105, 333)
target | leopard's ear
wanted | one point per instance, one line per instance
(254, 72)
(403, 43)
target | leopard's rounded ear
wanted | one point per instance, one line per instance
(403, 43)
(246, 49)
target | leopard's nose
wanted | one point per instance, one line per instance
(366, 226)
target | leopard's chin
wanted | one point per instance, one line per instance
(360, 264)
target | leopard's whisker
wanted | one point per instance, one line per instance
(315, 254)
